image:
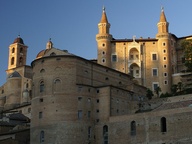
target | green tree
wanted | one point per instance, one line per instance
(149, 94)
(158, 90)
(174, 89)
(187, 47)
(165, 95)
(180, 86)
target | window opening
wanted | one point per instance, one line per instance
(13, 50)
(89, 132)
(21, 50)
(89, 114)
(42, 136)
(114, 58)
(20, 61)
(40, 115)
(12, 61)
(155, 73)
(154, 56)
(42, 86)
(79, 114)
(133, 128)
(105, 134)
(163, 125)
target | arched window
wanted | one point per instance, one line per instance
(20, 61)
(42, 71)
(29, 110)
(89, 132)
(21, 50)
(42, 136)
(41, 86)
(105, 134)
(13, 50)
(27, 85)
(52, 54)
(57, 85)
(133, 128)
(12, 61)
(58, 68)
(163, 125)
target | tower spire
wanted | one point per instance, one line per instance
(104, 16)
(103, 8)
(104, 41)
(163, 25)
(162, 16)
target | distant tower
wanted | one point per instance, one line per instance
(164, 59)
(49, 44)
(104, 41)
(162, 25)
(17, 53)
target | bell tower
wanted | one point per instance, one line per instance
(17, 53)
(103, 39)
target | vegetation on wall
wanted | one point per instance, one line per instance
(149, 94)
(187, 47)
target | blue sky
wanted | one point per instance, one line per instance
(72, 24)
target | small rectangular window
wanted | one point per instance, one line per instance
(42, 137)
(89, 132)
(89, 114)
(154, 56)
(155, 72)
(114, 58)
(133, 128)
(165, 82)
(155, 85)
(79, 98)
(40, 115)
(41, 100)
(80, 114)
(97, 100)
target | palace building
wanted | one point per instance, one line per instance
(63, 98)
(153, 62)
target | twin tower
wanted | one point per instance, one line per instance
(151, 61)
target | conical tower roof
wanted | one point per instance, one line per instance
(162, 16)
(104, 17)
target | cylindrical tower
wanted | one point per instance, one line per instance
(164, 67)
(55, 114)
(103, 39)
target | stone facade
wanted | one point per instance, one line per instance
(151, 61)
(79, 93)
